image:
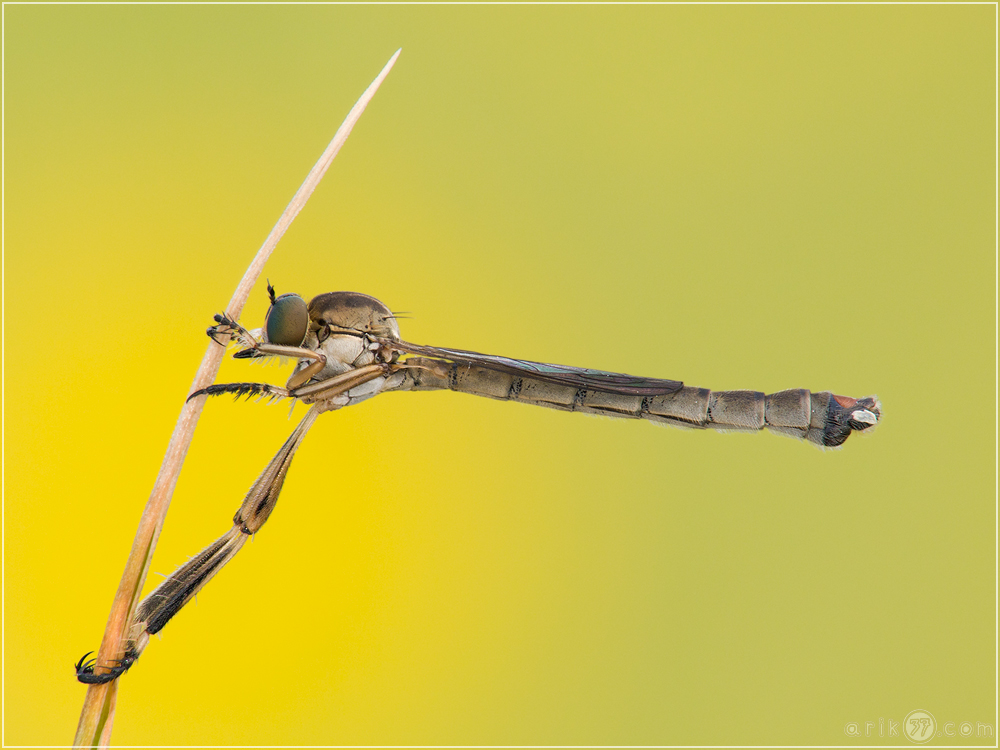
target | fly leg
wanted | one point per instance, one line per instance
(313, 392)
(253, 348)
(228, 329)
(85, 669)
(167, 599)
(326, 390)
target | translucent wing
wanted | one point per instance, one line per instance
(577, 377)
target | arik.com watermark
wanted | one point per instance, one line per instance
(918, 726)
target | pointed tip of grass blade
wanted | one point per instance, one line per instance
(298, 201)
(343, 131)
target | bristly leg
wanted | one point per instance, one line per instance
(243, 389)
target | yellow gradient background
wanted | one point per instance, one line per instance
(758, 197)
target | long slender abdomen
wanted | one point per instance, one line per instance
(821, 418)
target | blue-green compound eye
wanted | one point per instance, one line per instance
(287, 320)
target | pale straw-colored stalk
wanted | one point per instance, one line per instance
(97, 716)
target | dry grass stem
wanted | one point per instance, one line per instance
(97, 716)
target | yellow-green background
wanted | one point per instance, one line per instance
(740, 197)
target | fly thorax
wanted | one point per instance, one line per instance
(343, 353)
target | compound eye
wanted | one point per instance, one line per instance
(287, 320)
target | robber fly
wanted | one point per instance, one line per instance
(348, 350)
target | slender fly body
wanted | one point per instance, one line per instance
(349, 349)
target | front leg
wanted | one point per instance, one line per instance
(253, 348)
(229, 329)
